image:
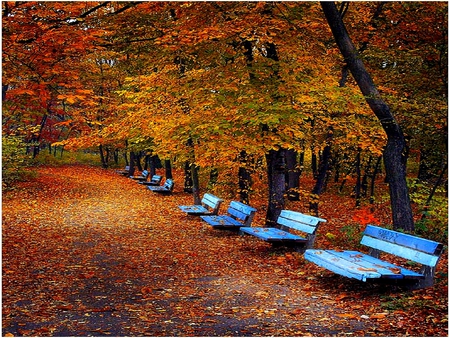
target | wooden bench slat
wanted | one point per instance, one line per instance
(406, 240)
(211, 200)
(309, 229)
(164, 189)
(385, 269)
(401, 251)
(155, 180)
(194, 209)
(337, 265)
(347, 263)
(244, 208)
(297, 216)
(221, 221)
(288, 220)
(238, 215)
(210, 205)
(272, 234)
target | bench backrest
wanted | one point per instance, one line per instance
(241, 212)
(127, 168)
(298, 221)
(168, 184)
(212, 202)
(145, 173)
(410, 247)
(156, 179)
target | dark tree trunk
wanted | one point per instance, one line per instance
(168, 169)
(37, 138)
(244, 177)
(314, 164)
(102, 157)
(132, 163)
(395, 149)
(187, 177)
(372, 180)
(276, 174)
(195, 184)
(116, 156)
(424, 166)
(321, 176)
(153, 163)
(301, 162)
(365, 177)
(146, 162)
(292, 175)
(138, 161)
(337, 167)
(358, 179)
(433, 191)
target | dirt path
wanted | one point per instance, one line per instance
(89, 253)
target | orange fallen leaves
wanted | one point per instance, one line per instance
(98, 246)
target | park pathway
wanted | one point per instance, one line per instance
(87, 252)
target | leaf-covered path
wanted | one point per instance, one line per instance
(89, 253)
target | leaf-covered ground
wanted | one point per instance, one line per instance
(87, 252)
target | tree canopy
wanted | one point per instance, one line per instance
(215, 79)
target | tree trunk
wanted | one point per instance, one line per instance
(433, 191)
(314, 164)
(372, 180)
(402, 215)
(195, 184)
(187, 177)
(276, 174)
(317, 190)
(132, 163)
(168, 169)
(358, 179)
(244, 178)
(102, 157)
(292, 175)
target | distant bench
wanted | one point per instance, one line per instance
(354, 264)
(238, 215)
(209, 205)
(290, 221)
(143, 177)
(166, 188)
(155, 181)
(125, 171)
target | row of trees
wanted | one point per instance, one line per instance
(227, 86)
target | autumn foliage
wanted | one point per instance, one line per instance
(213, 86)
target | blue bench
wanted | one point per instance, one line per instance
(209, 205)
(238, 215)
(290, 222)
(125, 171)
(166, 188)
(354, 264)
(143, 177)
(155, 181)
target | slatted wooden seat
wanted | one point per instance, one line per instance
(124, 172)
(289, 221)
(209, 205)
(166, 188)
(354, 264)
(238, 215)
(143, 177)
(155, 181)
